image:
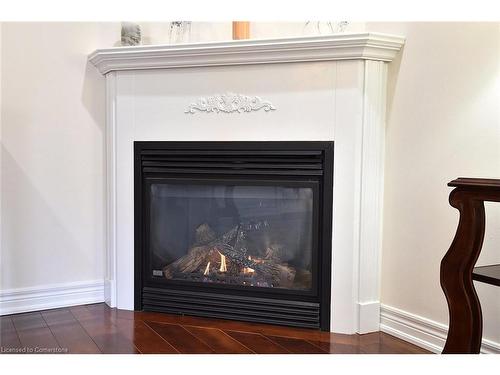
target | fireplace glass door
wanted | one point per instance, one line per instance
(232, 233)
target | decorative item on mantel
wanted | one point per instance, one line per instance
(130, 34)
(321, 28)
(180, 32)
(241, 30)
(229, 103)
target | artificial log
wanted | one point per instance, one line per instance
(231, 246)
(196, 259)
(204, 234)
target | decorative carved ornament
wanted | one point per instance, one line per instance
(229, 103)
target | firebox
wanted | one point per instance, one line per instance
(235, 230)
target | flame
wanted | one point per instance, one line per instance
(207, 270)
(223, 267)
(248, 270)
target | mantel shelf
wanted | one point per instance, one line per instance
(360, 46)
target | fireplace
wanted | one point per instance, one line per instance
(318, 88)
(235, 230)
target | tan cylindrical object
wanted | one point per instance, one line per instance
(241, 30)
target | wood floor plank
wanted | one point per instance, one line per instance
(371, 344)
(148, 316)
(257, 343)
(100, 312)
(8, 335)
(369, 338)
(296, 346)
(401, 346)
(146, 340)
(104, 312)
(9, 343)
(73, 338)
(101, 308)
(219, 341)
(68, 332)
(336, 348)
(57, 316)
(38, 340)
(108, 337)
(34, 333)
(6, 324)
(125, 314)
(81, 313)
(180, 338)
(388, 344)
(28, 321)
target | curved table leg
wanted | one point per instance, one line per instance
(466, 324)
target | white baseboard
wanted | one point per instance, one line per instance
(369, 317)
(421, 331)
(110, 293)
(21, 300)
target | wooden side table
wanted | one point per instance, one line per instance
(457, 267)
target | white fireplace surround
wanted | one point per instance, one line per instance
(319, 88)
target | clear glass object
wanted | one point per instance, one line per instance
(324, 27)
(179, 32)
(250, 236)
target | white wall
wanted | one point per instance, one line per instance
(53, 115)
(158, 32)
(443, 122)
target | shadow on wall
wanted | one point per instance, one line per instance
(392, 81)
(94, 100)
(38, 246)
(94, 95)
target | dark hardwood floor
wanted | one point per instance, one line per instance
(100, 329)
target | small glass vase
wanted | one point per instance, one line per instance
(323, 28)
(180, 32)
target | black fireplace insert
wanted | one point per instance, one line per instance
(235, 230)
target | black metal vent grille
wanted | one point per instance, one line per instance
(262, 310)
(300, 162)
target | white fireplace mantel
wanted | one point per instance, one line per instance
(364, 46)
(323, 88)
